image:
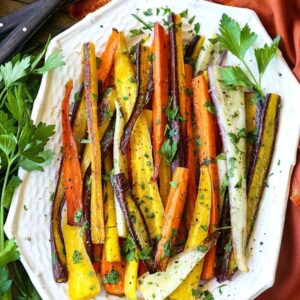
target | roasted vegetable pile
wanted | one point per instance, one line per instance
(165, 160)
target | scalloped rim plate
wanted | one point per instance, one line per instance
(30, 227)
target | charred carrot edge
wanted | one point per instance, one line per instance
(180, 72)
(295, 186)
(191, 162)
(119, 267)
(160, 93)
(172, 217)
(206, 131)
(71, 164)
(91, 98)
(107, 58)
(176, 126)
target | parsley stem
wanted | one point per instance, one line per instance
(1, 96)
(147, 26)
(2, 240)
(256, 83)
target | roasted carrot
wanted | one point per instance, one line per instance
(178, 138)
(205, 120)
(97, 254)
(113, 274)
(180, 71)
(91, 98)
(71, 165)
(295, 186)
(107, 58)
(192, 185)
(160, 93)
(172, 217)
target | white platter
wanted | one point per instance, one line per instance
(30, 227)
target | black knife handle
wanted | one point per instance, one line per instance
(12, 20)
(20, 35)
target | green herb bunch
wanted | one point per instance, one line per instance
(238, 40)
(22, 145)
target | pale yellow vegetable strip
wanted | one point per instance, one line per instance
(111, 245)
(197, 234)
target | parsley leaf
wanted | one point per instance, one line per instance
(128, 249)
(264, 55)
(5, 283)
(235, 76)
(10, 253)
(238, 41)
(54, 60)
(234, 38)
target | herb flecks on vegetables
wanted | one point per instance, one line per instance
(238, 41)
(22, 143)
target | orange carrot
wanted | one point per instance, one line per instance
(180, 72)
(160, 93)
(97, 253)
(107, 57)
(205, 121)
(91, 99)
(191, 162)
(116, 271)
(71, 165)
(295, 185)
(172, 216)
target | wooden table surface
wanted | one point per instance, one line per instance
(58, 23)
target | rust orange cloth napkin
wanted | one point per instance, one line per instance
(279, 17)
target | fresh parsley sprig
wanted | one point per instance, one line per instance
(22, 144)
(238, 41)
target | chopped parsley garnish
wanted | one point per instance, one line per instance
(209, 106)
(167, 249)
(173, 184)
(113, 277)
(78, 216)
(185, 13)
(77, 257)
(136, 31)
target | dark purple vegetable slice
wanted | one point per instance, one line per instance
(59, 261)
(190, 48)
(108, 138)
(177, 139)
(143, 97)
(134, 218)
(224, 245)
(86, 228)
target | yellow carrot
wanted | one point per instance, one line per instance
(91, 99)
(83, 281)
